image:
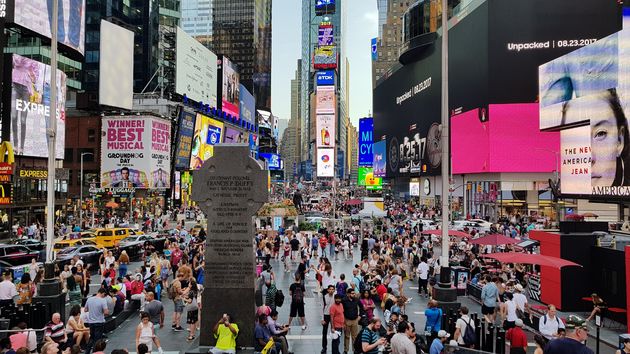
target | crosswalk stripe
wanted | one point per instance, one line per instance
(303, 336)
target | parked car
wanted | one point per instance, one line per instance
(460, 225)
(134, 244)
(484, 226)
(61, 244)
(32, 244)
(17, 254)
(89, 254)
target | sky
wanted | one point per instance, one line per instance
(286, 50)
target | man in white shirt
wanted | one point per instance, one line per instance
(7, 290)
(520, 300)
(550, 323)
(460, 327)
(423, 276)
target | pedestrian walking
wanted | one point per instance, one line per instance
(352, 308)
(328, 300)
(577, 334)
(337, 320)
(96, 307)
(297, 291)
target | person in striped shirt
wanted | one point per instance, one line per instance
(55, 331)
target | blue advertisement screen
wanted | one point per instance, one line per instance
(326, 78)
(273, 160)
(366, 130)
(380, 158)
(184, 140)
(247, 105)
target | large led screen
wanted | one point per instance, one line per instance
(234, 136)
(325, 57)
(326, 162)
(208, 133)
(36, 15)
(230, 97)
(508, 140)
(379, 162)
(247, 105)
(324, 7)
(366, 138)
(30, 108)
(325, 103)
(575, 175)
(184, 141)
(196, 70)
(115, 78)
(325, 131)
(136, 152)
(325, 35)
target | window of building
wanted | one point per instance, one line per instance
(68, 155)
(89, 157)
(91, 135)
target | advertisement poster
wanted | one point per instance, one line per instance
(230, 97)
(362, 173)
(184, 141)
(135, 152)
(115, 80)
(36, 15)
(325, 78)
(325, 35)
(325, 131)
(30, 108)
(324, 7)
(196, 70)
(177, 191)
(325, 57)
(374, 49)
(414, 188)
(233, 136)
(247, 105)
(253, 144)
(366, 133)
(273, 160)
(575, 155)
(325, 103)
(208, 132)
(325, 162)
(379, 161)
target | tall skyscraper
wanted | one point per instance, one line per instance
(310, 27)
(390, 37)
(197, 19)
(241, 30)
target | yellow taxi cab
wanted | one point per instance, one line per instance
(111, 237)
(75, 239)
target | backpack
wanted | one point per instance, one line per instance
(358, 342)
(545, 320)
(298, 295)
(341, 288)
(362, 287)
(279, 300)
(171, 291)
(416, 260)
(469, 336)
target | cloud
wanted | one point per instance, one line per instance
(371, 17)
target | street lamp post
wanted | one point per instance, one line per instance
(52, 134)
(81, 191)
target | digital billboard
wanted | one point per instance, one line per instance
(366, 133)
(325, 57)
(208, 132)
(374, 49)
(273, 160)
(195, 70)
(509, 140)
(575, 155)
(324, 7)
(325, 103)
(230, 88)
(135, 152)
(30, 108)
(367, 179)
(36, 15)
(115, 77)
(184, 140)
(325, 78)
(234, 136)
(247, 105)
(379, 161)
(326, 162)
(414, 188)
(325, 35)
(325, 131)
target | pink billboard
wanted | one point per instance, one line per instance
(508, 141)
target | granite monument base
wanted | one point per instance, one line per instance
(239, 303)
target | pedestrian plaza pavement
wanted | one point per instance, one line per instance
(306, 341)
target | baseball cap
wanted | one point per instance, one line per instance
(443, 334)
(518, 287)
(518, 322)
(575, 322)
